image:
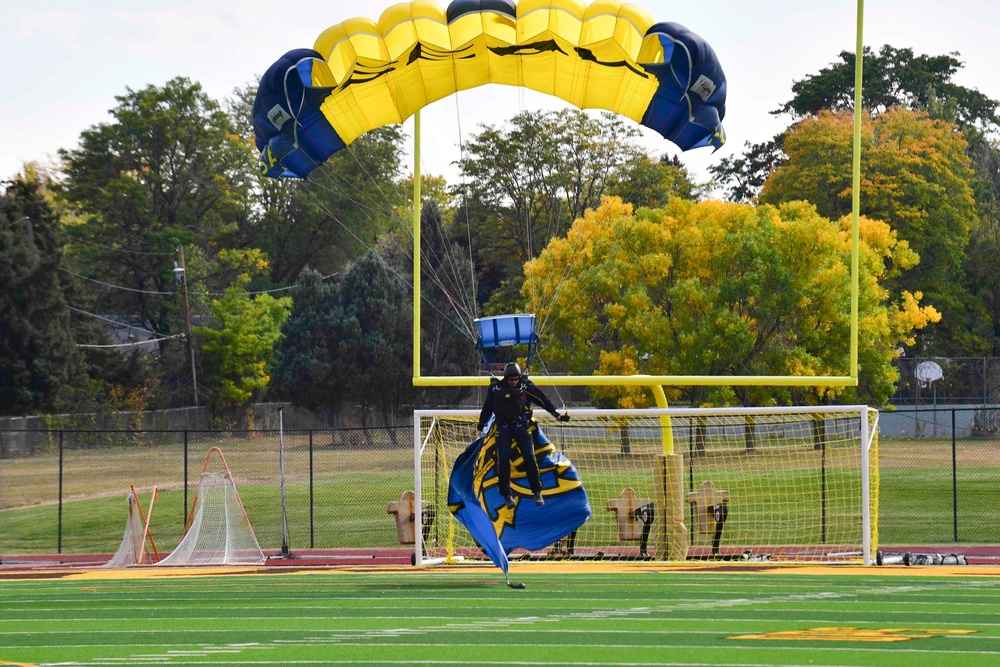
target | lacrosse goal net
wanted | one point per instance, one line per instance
(137, 547)
(218, 531)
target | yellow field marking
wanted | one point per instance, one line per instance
(519, 567)
(19, 664)
(853, 634)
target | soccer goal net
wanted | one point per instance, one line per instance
(218, 531)
(726, 484)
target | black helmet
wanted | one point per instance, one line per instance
(511, 370)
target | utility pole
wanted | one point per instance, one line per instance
(180, 277)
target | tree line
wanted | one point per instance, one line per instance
(301, 290)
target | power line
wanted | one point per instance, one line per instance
(116, 322)
(141, 342)
(139, 291)
(155, 337)
(126, 289)
(124, 250)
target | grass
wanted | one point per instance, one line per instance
(456, 616)
(95, 525)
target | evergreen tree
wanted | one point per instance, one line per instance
(307, 360)
(39, 361)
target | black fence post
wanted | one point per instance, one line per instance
(823, 487)
(185, 504)
(312, 524)
(59, 521)
(954, 475)
(696, 445)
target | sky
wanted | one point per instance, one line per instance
(67, 60)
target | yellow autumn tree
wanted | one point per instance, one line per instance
(713, 288)
(916, 177)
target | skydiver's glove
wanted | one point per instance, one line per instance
(563, 417)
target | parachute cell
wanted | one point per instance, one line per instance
(362, 74)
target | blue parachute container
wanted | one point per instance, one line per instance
(507, 331)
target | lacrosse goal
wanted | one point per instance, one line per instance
(137, 547)
(218, 531)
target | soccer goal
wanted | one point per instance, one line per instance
(725, 484)
(137, 547)
(218, 531)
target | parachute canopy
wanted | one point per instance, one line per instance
(362, 74)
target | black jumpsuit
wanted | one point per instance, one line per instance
(510, 405)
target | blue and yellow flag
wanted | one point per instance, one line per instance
(474, 498)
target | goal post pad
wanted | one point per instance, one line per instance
(672, 537)
(705, 500)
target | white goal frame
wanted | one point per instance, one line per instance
(867, 433)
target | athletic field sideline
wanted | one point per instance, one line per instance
(570, 614)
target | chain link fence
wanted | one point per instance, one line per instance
(64, 491)
(963, 381)
(939, 476)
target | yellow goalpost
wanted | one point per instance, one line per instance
(670, 467)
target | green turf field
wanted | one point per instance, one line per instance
(463, 616)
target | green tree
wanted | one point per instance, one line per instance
(156, 177)
(432, 189)
(39, 361)
(238, 349)
(448, 300)
(982, 257)
(380, 359)
(348, 343)
(916, 177)
(329, 220)
(526, 182)
(652, 183)
(307, 368)
(892, 78)
(722, 289)
(742, 176)
(983, 277)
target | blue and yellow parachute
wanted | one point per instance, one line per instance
(362, 74)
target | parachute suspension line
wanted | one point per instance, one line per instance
(319, 204)
(555, 388)
(462, 309)
(465, 193)
(304, 153)
(527, 208)
(557, 290)
(417, 292)
(571, 264)
(445, 273)
(449, 279)
(451, 283)
(370, 210)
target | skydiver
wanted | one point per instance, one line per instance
(509, 400)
